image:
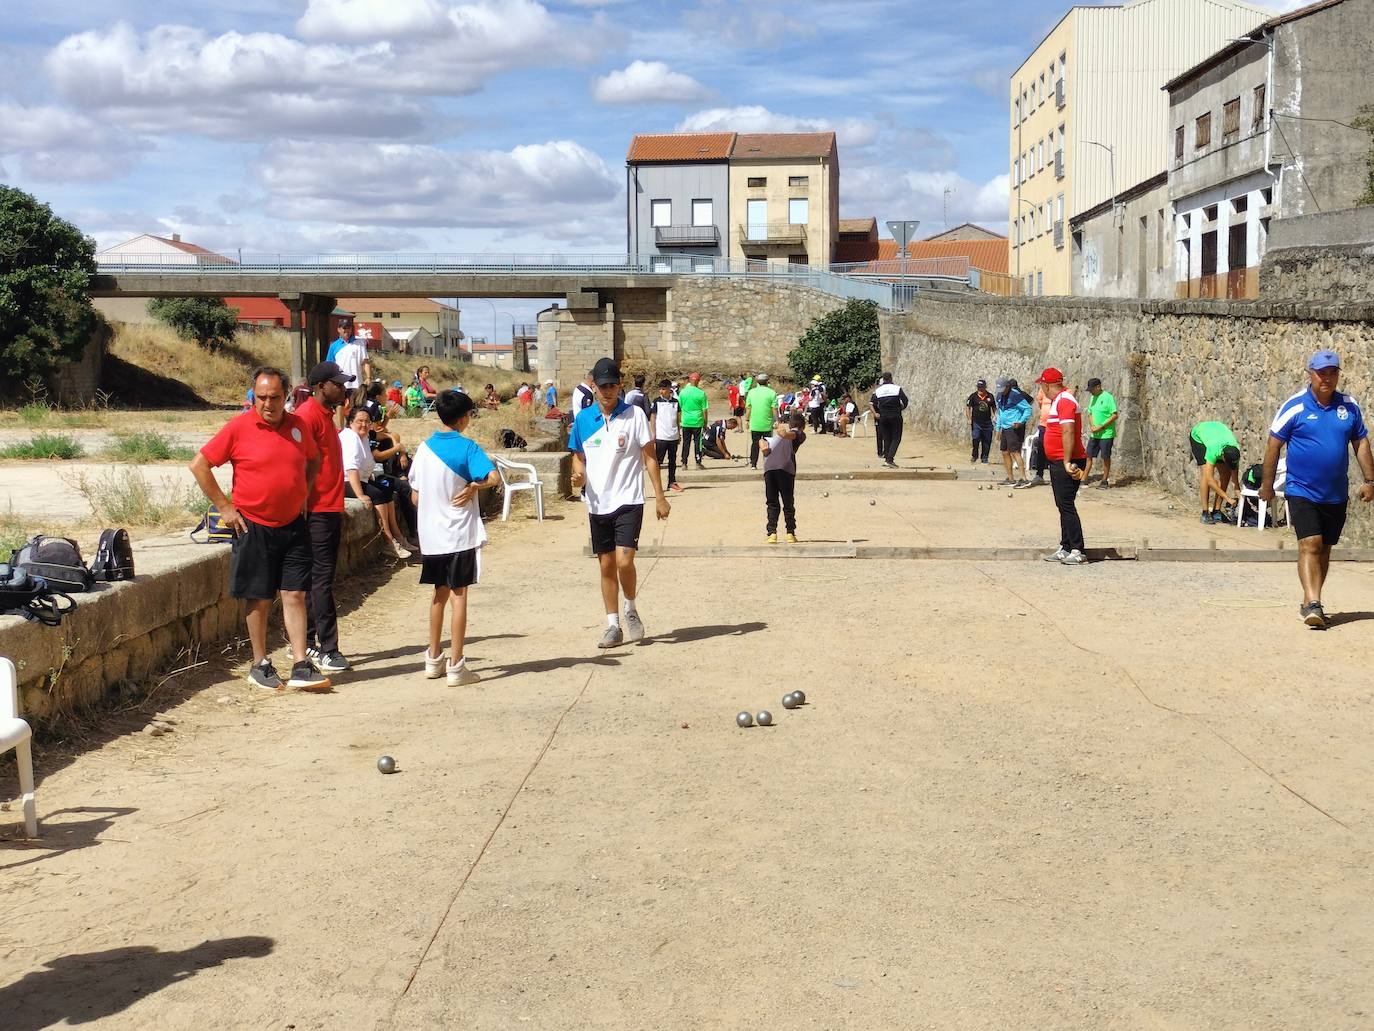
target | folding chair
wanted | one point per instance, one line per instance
(505, 467)
(861, 423)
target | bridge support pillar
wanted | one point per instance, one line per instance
(296, 328)
(309, 328)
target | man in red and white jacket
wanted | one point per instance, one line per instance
(1067, 459)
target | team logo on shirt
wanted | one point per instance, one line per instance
(296, 433)
(620, 442)
(1341, 413)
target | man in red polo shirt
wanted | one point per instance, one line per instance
(275, 462)
(1067, 459)
(324, 516)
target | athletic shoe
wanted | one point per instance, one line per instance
(1038, 481)
(1021, 483)
(890, 465)
(304, 678)
(1206, 519)
(1104, 485)
(1313, 615)
(330, 662)
(791, 538)
(675, 486)
(460, 675)
(399, 551)
(264, 676)
(700, 466)
(634, 627)
(313, 653)
(1074, 558)
(1008, 482)
(611, 638)
(772, 538)
(1056, 556)
(434, 668)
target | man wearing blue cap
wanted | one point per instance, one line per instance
(1317, 425)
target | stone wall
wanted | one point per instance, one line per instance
(1326, 257)
(77, 383)
(1170, 364)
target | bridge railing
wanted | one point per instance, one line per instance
(832, 283)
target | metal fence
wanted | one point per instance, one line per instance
(505, 265)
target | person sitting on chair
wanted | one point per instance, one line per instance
(422, 381)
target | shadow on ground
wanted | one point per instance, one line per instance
(57, 837)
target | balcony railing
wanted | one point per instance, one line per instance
(1059, 164)
(1059, 234)
(686, 236)
(1059, 94)
(772, 232)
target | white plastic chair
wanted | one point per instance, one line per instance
(861, 423)
(15, 733)
(1248, 496)
(508, 486)
(1027, 454)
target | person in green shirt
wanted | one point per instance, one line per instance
(1215, 450)
(694, 406)
(1102, 417)
(759, 405)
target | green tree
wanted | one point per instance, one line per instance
(1366, 122)
(46, 264)
(207, 320)
(841, 347)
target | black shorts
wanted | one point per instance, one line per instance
(618, 529)
(1310, 519)
(456, 570)
(382, 492)
(1101, 447)
(1013, 438)
(1198, 451)
(268, 559)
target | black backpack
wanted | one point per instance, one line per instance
(1253, 477)
(30, 596)
(114, 557)
(511, 439)
(57, 560)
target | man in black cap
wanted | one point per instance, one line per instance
(981, 406)
(324, 506)
(611, 450)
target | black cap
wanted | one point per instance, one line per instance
(605, 371)
(1231, 456)
(326, 371)
(981, 383)
(1094, 382)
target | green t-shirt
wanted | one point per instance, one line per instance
(1214, 438)
(1100, 409)
(761, 402)
(745, 385)
(691, 401)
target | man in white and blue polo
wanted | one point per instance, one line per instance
(1318, 426)
(611, 450)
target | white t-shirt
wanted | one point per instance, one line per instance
(356, 455)
(665, 411)
(350, 362)
(613, 448)
(444, 528)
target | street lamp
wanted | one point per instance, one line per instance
(1111, 170)
(1019, 241)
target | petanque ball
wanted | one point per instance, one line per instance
(825, 493)
(789, 701)
(765, 718)
(386, 764)
(872, 501)
(744, 719)
(800, 696)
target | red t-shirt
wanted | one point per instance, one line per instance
(328, 495)
(1063, 408)
(393, 395)
(269, 465)
(734, 397)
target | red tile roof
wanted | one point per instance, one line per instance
(858, 225)
(390, 304)
(190, 248)
(681, 146)
(774, 146)
(988, 255)
(258, 309)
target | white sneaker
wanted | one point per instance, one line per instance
(434, 668)
(459, 675)
(1057, 556)
(634, 627)
(399, 550)
(1074, 558)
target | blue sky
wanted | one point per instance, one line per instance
(491, 125)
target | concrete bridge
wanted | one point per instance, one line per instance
(663, 315)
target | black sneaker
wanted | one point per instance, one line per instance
(329, 662)
(264, 676)
(305, 678)
(1313, 615)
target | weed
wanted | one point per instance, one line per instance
(44, 445)
(129, 499)
(149, 446)
(13, 534)
(34, 413)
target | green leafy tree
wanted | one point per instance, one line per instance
(46, 264)
(841, 347)
(207, 320)
(1366, 122)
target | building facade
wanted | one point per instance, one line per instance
(1088, 117)
(678, 198)
(785, 198)
(1124, 247)
(1259, 131)
(440, 320)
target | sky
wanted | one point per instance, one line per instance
(491, 126)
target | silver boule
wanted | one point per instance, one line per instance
(744, 719)
(386, 764)
(765, 718)
(872, 501)
(800, 696)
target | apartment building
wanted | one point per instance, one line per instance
(1088, 118)
(785, 197)
(677, 189)
(398, 314)
(1260, 130)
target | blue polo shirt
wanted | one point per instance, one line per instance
(334, 349)
(1318, 438)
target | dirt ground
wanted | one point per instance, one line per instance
(1130, 795)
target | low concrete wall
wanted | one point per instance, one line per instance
(129, 631)
(1327, 257)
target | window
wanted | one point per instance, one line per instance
(376, 315)
(1059, 208)
(701, 213)
(1267, 196)
(1178, 145)
(1042, 89)
(395, 315)
(1202, 134)
(1230, 118)
(798, 180)
(797, 259)
(1050, 140)
(1040, 284)
(1040, 156)
(1258, 115)
(1159, 254)
(660, 213)
(798, 211)
(1209, 213)
(1241, 204)
(756, 181)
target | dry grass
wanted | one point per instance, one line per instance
(131, 500)
(216, 377)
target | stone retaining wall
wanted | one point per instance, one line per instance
(1170, 364)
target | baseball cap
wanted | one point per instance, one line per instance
(815, 379)
(1001, 384)
(395, 383)
(1231, 456)
(1324, 360)
(1051, 375)
(762, 377)
(1094, 382)
(605, 371)
(981, 383)
(326, 372)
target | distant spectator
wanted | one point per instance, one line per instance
(359, 466)
(344, 338)
(1102, 419)
(395, 398)
(636, 397)
(415, 400)
(352, 360)
(427, 390)
(583, 396)
(1013, 415)
(849, 411)
(1217, 453)
(981, 409)
(524, 395)
(491, 400)
(550, 395)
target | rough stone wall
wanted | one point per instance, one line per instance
(1323, 274)
(76, 383)
(582, 335)
(1170, 364)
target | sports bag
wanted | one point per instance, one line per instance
(1253, 477)
(216, 532)
(30, 596)
(57, 560)
(114, 557)
(511, 439)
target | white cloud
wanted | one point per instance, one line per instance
(890, 192)
(54, 144)
(853, 132)
(534, 185)
(648, 82)
(360, 20)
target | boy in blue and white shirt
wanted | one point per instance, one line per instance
(445, 475)
(611, 451)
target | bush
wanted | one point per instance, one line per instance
(147, 447)
(33, 413)
(841, 347)
(45, 445)
(207, 320)
(128, 499)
